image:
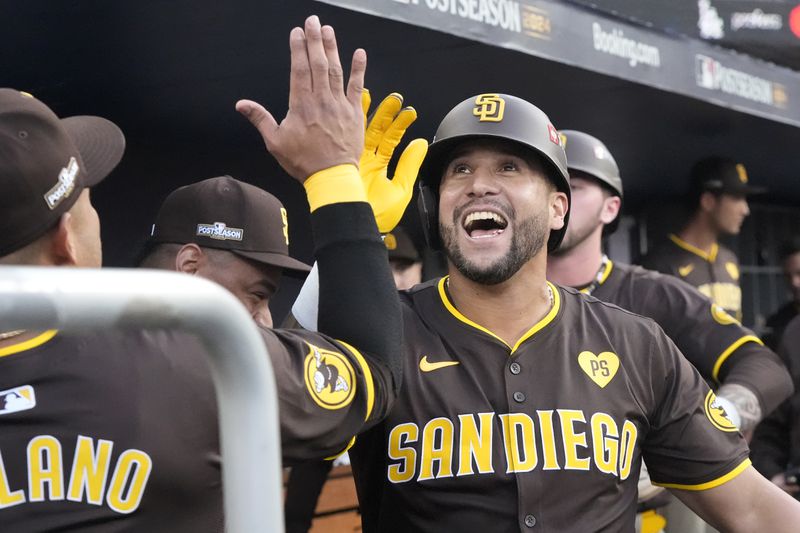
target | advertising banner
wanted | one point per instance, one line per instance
(569, 34)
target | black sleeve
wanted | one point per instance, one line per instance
(760, 370)
(358, 301)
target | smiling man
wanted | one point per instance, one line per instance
(230, 232)
(526, 406)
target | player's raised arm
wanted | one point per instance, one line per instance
(319, 143)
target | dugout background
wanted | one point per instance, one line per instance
(169, 72)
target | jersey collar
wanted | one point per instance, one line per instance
(528, 334)
(602, 275)
(28, 344)
(709, 256)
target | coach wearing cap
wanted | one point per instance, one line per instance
(718, 200)
(227, 231)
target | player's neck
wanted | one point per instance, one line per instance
(578, 266)
(699, 233)
(507, 309)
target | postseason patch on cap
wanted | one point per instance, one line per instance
(64, 186)
(220, 231)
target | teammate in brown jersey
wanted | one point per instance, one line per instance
(719, 190)
(750, 376)
(118, 430)
(526, 406)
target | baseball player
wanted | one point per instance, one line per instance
(117, 430)
(230, 232)
(718, 196)
(526, 406)
(752, 378)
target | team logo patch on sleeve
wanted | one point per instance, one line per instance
(716, 413)
(721, 316)
(329, 377)
(600, 368)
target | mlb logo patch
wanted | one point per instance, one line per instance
(554, 137)
(17, 399)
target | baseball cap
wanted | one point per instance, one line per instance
(400, 245)
(227, 214)
(721, 174)
(45, 163)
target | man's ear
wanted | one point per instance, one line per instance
(559, 204)
(708, 201)
(610, 209)
(62, 247)
(189, 259)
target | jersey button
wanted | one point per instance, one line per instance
(530, 520)
(515, 368)
(519, 397)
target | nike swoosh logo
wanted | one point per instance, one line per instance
(685, 270)
(427, 366)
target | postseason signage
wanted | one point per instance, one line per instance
(572, 35)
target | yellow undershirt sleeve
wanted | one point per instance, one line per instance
(334, 185)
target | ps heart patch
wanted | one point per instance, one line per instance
(600, 368)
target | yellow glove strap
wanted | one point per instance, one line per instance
(334, 185)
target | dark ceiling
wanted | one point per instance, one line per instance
(169, 72)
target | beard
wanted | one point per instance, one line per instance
(574, 236)
(528, 239)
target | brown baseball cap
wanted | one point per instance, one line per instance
(400, 246)
(227, 214)
(724, 175)
(45, 163)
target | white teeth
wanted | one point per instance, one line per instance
(485, 215)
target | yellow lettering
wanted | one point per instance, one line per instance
(44, 467)
(518, 460)
(474, 444)
(7, 497)
(132, 470)
(400, 473)
(605, 443)
(548, 440)
(572, 439)
(442, 454)
(89, 470)
(627, 445)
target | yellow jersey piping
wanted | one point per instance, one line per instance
(28, 344)
(710, 484)
(729, 350)
(710, 256)
(536, 327)
(367, 378)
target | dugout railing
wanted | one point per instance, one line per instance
(90, 299)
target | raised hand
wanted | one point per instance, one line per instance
(324, 126)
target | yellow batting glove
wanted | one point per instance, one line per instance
(389, 197)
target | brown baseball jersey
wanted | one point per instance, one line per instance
(714, 273)
(546, 435)
(711, 339)
(118, 431)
